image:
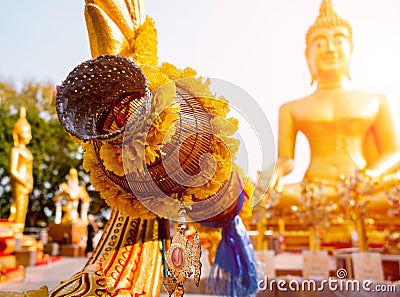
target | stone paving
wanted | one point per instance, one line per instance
(48, 275)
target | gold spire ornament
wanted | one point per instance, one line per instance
(121, 28)
(328, 18)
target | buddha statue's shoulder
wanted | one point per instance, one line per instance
(296, 102)
(333, 106)
(295, 105)
(365, 95)
(23, 152)
(363, 101)
(323, 99)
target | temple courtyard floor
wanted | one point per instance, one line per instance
(49, 275)
(52, 274)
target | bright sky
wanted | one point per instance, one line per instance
(257, 45)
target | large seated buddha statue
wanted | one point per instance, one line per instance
(347, 130)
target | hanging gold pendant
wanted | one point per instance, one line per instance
(183, 260)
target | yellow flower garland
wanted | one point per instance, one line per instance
(145, 46)
(162, 81)
(114, 195)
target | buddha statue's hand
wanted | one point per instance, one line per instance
(374, 176)
(386, 165)
(282, 168)
(29, 187)
(24, 188)
(278, 183)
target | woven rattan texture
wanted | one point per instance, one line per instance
(100, 96)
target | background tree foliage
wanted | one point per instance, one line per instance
(54, 151)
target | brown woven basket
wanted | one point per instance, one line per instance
(102, 96)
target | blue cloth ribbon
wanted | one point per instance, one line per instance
(234, 271)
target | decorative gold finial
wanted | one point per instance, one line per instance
(328, 18)
(113, 28)
(22, 113)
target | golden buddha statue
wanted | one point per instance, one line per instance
(349, 131)
(21, 161)
(346, 129)
(73, 193)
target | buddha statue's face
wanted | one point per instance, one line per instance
(328, 53)
(73, 174)
(24, 134)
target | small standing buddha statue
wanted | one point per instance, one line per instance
(21, 176)
(72, 193)
(347, 129)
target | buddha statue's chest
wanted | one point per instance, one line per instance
(25, 156)
(25, 160)
(341, 128)
(327, 117)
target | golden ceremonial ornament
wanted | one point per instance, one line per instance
(130, 100)
(182, 259)
(138, 122)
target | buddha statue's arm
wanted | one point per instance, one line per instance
(14, 161)
(286, 143)
(384, 134)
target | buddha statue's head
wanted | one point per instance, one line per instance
(329, 46)
(22, 130)
(73, 174)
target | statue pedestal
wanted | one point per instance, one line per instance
(70, 237)
(7, 246)
(7, 262)
(72, 233)
(390, 263)
(52, 249)
(72, 250)
(25, 257)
